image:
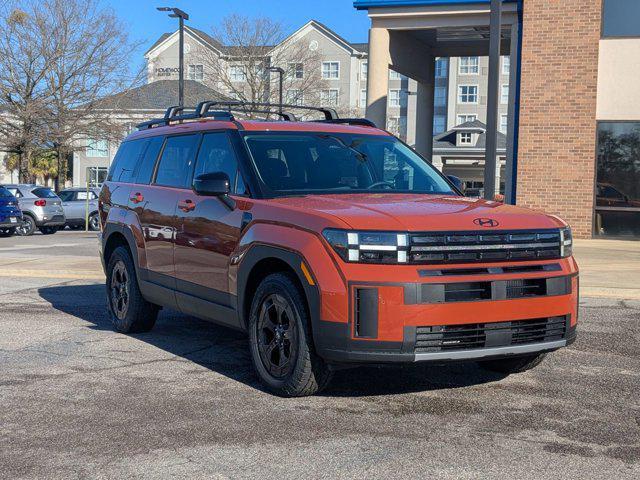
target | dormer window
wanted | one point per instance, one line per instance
(465, 138)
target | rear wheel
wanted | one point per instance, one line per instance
(280, 339)
(94, 222)
(130, 312)
(28, 226)
(513, 365)
(48, 230)
(7, 232)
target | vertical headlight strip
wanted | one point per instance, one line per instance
(566, 242)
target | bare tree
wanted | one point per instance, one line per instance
(90, 49)
(23, 94)
(246, 47)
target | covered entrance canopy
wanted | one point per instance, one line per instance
(408, 35)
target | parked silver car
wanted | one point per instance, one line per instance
(41, 208)
(74, 204)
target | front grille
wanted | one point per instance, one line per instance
(490, 335)
(463, 247)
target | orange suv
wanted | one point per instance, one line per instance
(331, 243)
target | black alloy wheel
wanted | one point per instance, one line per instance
(277, 336)
(119, 290)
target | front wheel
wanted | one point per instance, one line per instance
(513, 365)
(280, 339)
(130, 312)
(7, 232)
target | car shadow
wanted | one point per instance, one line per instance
(225, 350)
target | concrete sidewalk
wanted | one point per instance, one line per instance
(608, 268)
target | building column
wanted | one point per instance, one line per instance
(511, 169)
(378, 76)
(424, 112)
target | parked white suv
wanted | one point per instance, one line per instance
(75, 204)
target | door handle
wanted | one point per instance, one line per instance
(137, 198)
(186, 205)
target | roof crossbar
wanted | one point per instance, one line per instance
(364, 122)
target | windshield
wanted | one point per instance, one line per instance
(4, 193)
(324, 163)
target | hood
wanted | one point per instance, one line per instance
(412, 212)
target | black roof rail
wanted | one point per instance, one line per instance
(202, 110)
(364, 122)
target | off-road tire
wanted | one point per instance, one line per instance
(308, 373)
(28, 226)
(513, 365)
(140, 315)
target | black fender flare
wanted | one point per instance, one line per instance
(108, 231)
(292, 258)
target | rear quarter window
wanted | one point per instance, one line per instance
(44, 193)
(4, 193)
(126, 159)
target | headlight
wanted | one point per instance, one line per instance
(566, 242)
(368, 247)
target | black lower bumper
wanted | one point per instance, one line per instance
(55, 221)
(335, 345)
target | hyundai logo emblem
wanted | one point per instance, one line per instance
(486, 222)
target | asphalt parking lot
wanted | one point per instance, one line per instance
(80, 401)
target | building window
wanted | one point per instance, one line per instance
(393, 75)
(97, 148)
(466, 138)
(440, 96)
(466, 118)
(195, 72)
(439, 124)
(506, 65)
(237, 73)
(395, 98)
(468, 94)
(620, 18)
(96, 176)
(469, 65)
(329, 97)
(504, 121)
(504, 94)
(364, 70)
(442, 67)
(331, 70)
(618, 180)
(296, 70)
(363, 98)
(294, 97)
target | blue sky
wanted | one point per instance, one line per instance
(146, 24)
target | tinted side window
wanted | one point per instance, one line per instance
(146, 166)
(176, 161)
(43, 193)
(126, 160)
(216, 155)
(66, 196)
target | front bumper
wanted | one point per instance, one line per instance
(451, 317)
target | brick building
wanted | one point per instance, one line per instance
(573, 124)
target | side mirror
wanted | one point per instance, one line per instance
(457, 182)
(215, 184)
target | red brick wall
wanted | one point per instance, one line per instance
(556, 152)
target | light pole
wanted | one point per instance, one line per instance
(280, 72)
(181, 16)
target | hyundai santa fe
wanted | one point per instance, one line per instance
(332, 244)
